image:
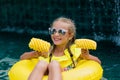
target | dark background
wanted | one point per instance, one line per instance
(92, 17)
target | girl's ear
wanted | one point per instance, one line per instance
(71, 36)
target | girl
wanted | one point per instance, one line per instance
(62, 55)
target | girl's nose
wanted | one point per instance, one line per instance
(56, 33)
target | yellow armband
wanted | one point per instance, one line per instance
(39, 45)
(86, 44)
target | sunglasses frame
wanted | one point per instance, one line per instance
(59, 31)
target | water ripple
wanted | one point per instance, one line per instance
(5, 65)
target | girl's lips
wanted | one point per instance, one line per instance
(56, 39)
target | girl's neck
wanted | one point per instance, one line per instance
(59, 50)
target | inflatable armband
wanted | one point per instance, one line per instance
(86, 44)
(39, 45)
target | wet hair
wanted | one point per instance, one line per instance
(72, 31)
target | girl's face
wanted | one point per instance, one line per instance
(60, 33)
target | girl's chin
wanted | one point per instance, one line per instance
(57, 43)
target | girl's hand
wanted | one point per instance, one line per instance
(85, 53)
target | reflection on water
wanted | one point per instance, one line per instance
(12, 46)
(5, 64)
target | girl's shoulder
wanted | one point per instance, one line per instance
(75, 51)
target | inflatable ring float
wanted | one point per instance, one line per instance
(84, 70)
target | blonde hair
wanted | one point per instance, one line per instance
(72, 28)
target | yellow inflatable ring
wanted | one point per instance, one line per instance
(85, 70)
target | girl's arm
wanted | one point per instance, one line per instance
(29, 55)
(85, 55)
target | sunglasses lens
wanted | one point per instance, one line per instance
(51, 31)
(61, 32)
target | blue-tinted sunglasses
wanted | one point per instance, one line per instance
(60, 31)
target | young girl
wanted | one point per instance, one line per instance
(62, 55)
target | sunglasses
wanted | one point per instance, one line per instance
(59, 31)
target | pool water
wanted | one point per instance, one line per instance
(13, 45)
